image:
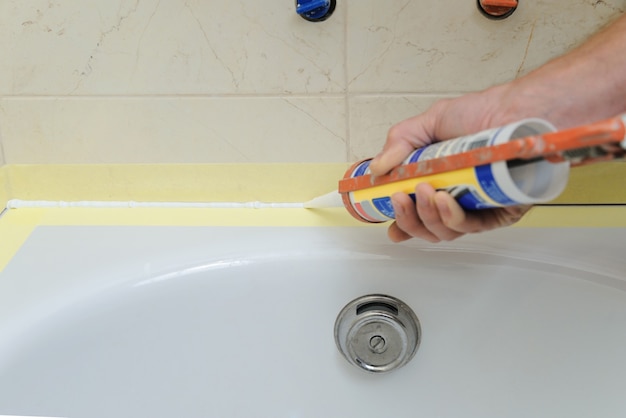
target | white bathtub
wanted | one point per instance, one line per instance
(238, 322)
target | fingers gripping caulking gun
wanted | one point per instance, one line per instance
(522, 163)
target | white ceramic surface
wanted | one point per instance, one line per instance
(238, 322)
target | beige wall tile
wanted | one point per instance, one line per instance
(448, 46)
(372, 116)
(240, 80)
(167, 47)
(173, 130)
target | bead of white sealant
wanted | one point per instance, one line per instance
(20, 204)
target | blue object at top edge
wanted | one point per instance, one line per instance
(312, 8)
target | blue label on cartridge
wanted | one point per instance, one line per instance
(416, 155)
(360, 170)
(383, 205)
(485, 177)
(468, 197)
(472, 201)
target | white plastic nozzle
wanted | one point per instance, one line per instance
(329, 200)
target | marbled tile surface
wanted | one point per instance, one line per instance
(157, 81)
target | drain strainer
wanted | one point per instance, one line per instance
(377, 333)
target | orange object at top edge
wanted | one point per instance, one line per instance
(498, 3)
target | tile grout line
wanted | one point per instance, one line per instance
(175, 96)
(344, 94)
(408, 94)
(346, 73)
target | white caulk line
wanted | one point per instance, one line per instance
(37, 204)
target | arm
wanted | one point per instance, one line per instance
(585, 85)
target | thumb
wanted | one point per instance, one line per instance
(391, 156)
(402, 139)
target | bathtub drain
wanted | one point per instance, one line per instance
(377, 333)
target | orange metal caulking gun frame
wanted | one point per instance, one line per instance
(605, 140)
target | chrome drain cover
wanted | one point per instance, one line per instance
(377, 333)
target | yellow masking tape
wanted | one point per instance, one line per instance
(174, 182)
(15, 228)
(586, 216)
(4, 186)
(595, 183)
(598, 183)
